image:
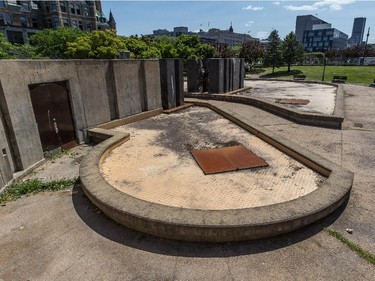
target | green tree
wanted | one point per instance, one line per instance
(52, 43)
(24, 52)
(136, 46)
(96, 45)
(5, 47)
(151, 53)
(16, 51)
(166, 46)
(226, 52)
(292, 49)
(190, 47)
(252, 51)
(273, 56)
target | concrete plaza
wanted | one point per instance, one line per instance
(62, 236)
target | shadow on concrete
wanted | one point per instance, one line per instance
(111, 230)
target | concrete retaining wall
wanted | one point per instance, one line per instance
(99, 91)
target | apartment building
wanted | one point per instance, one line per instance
(21, 19)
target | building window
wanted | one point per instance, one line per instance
(34, 22)
(55, 22)
(8, 19)
(2, 20)
(53, 7)
(80, 25)
(72, 8)
(66, 22)
(34, 6)
(74, 24)
(26, 6)
(85, 11)
(63, 7)
(23, 21)
(49, 23)
(2, 4)
(12, 2)
(15, 37)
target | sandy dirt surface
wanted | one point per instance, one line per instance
(156, 165)
(321, 97)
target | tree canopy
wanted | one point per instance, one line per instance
(292, 50)
(96, 45)
(5, 47)
(252, 51)
(273, 56)
(52, 43)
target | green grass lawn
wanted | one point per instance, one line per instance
(360, 75)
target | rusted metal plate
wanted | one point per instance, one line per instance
(293, 101)
(225, 159)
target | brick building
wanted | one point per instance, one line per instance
(21, 19)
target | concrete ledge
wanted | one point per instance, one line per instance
(313, 119)
(130, 119)
(215, 225)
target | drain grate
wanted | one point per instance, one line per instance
(293, 101)
(219, 160)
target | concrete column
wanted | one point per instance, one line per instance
(227, 84)
(168, 83)
(242, 73)
(152, 84)
(236, 73)
(179, 76)
(194, 75)
(215, 76)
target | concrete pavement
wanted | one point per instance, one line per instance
(62, 236)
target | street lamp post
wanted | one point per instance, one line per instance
(324, 67)
(365, 48)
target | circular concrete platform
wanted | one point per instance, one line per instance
(151, 183)
(159, 167)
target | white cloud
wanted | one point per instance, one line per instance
(334, 5)
(277, 3)
(253, 8)
(262, 34)
(249, 23)
(301, 8)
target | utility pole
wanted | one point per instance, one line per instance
(365, 49)
(324, 66)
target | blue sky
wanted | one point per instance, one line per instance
(256, 18)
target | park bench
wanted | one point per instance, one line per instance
(299, 77)
(339, 79)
